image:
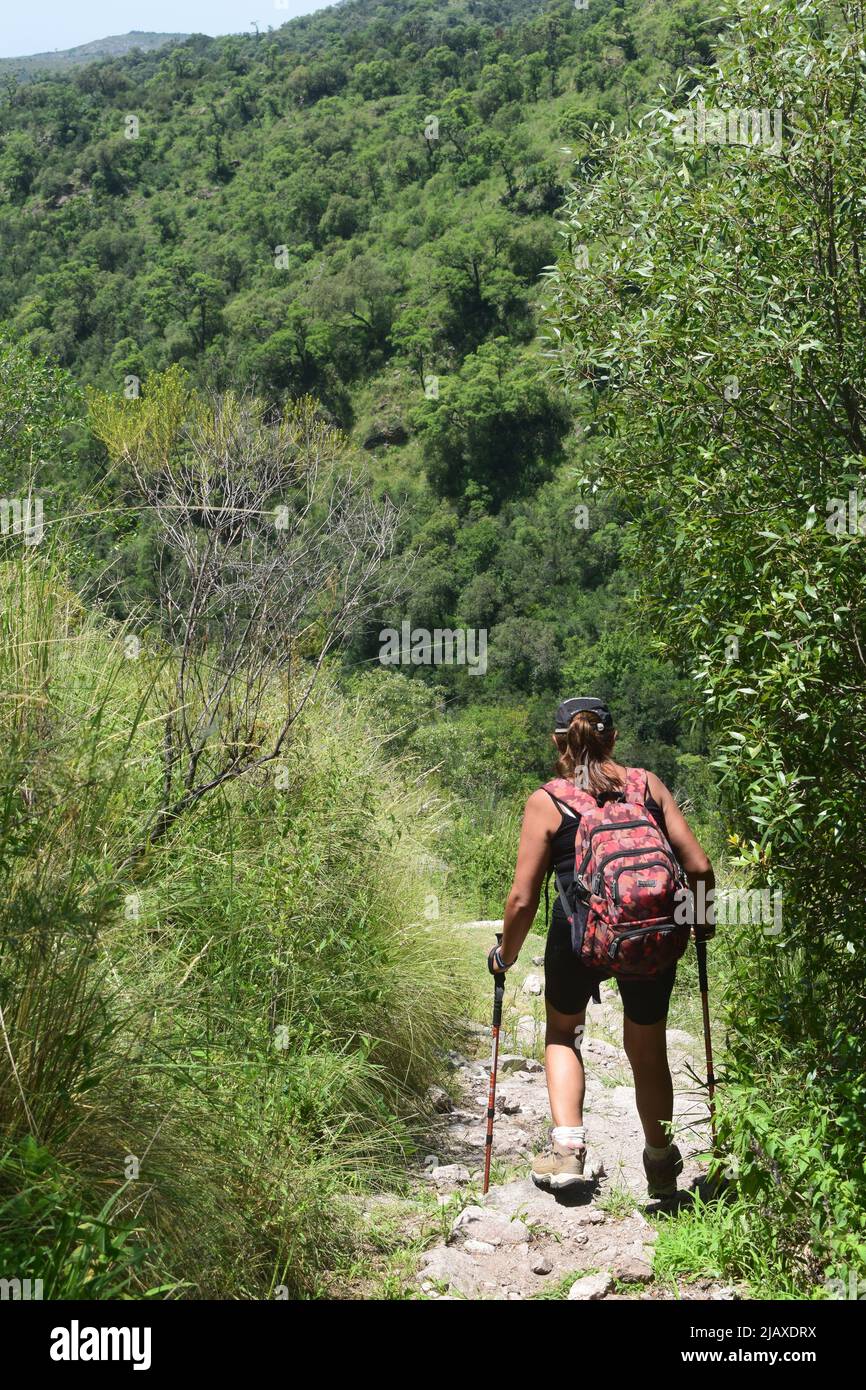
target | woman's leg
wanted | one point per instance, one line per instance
(566, 1080)
(646, 1048)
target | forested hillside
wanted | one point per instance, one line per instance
(405, 248)
(358, 206)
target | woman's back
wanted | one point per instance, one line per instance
(588, 777)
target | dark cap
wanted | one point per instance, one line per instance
(569, 708)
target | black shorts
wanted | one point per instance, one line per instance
(569, 985)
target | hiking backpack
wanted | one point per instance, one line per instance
(626, 879)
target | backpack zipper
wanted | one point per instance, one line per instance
(618, 825)
(634, 869)
(621, 854)
(639, 931)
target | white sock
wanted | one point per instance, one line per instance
(570, 1136)
(657, 1153)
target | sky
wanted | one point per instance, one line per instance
(54, 24)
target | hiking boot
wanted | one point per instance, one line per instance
(662, 1173)
(560, 1166)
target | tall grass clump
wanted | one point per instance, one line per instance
(208, 1047)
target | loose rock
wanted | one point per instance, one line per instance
(631, 1270)
(474, 1223)
(450, 1174)
(452, 1267)
(591, 1287)
(590, 1216)
(511, 1062)
(533, 985)
(440, 1100)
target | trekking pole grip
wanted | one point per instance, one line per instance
(498, 997)
(498, 990)
(701, 951)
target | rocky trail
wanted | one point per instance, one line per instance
(520, 1242)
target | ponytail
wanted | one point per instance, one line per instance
(583, 751)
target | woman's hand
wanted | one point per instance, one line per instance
(495, 962)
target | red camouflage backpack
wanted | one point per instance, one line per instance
(626, 880)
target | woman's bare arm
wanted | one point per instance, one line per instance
(540, 821)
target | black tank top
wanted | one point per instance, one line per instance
(562, 844)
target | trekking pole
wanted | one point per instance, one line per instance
(701, 949)
(498, 996)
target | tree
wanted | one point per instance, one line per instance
(493, 424)
(179, 290)
(414, 337)
(19, 163)
(270, 544)
(37, 403)
(472, 270)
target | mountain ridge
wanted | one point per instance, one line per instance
(111, 46)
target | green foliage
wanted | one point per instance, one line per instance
(720, 1239)
(37, 402)
(257, 1011)
(291, 184)
(46, 1236)
(493, 428)
(481, 845)
(281, 223)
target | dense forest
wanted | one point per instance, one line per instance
(438, 281)
(287, 221)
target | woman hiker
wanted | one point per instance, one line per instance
(585, 737)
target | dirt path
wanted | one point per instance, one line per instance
(520, 1242)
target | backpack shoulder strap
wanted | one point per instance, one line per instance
(636, 786)
(562, 806)
(565, 793)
